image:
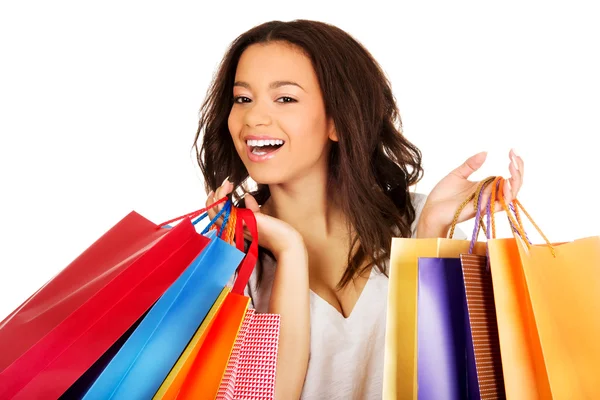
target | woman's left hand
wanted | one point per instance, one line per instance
(447, 196)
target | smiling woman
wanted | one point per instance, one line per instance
(268, 107)
(304, 110)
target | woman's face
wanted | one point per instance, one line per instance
(277, 121)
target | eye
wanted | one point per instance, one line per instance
(286, 99)
(241, 99)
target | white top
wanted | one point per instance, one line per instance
(346, 354)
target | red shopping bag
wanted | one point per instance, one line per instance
(49, 341)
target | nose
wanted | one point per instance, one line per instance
(257, 115)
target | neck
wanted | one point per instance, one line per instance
(307, 206)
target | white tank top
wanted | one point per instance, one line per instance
(346, 354)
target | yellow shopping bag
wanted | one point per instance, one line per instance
(400, 365)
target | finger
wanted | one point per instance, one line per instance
(251, 203)
(213, 197)
(515, 180)
(222, 191)
(218, 196)
(518, 161)
(508, 192)
(209, 198)
(521, 168)
(503, 195)
(471, 165)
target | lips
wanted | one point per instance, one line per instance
(262, 148)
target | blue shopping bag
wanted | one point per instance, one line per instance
(144, 361)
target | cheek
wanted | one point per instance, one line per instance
(233, 123)
(308, 130)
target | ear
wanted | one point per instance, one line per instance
(331, 131)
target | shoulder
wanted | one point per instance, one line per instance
(418, 201)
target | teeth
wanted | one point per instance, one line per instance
(261, 143)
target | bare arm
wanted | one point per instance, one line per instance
(290, 299)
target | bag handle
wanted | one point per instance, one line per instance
(478, 215)
(232, 227)
(194, 214)
(471, 197)
(515, 221)
(491, 217)
(477, 198)
(246, 216)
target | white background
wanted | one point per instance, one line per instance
(99, 103)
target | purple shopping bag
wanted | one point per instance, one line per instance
(457, 344)
(442, 339)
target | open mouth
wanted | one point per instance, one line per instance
(264, 147)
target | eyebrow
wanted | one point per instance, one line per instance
(273, 85)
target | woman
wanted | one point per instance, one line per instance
(306, 112)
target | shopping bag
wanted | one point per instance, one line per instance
(524, 370)
(227, 387)
(205, 375)
(408, 258)
(252, 367)
(171, 386)
(411, 258)
(525, 375)
(204, 378)
(67, 325)
(484, 365)
(144, 361)
(441, 326)
(454, 336)
(221, 312)
(557, 287)
(85, 381)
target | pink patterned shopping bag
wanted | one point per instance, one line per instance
(250, 373)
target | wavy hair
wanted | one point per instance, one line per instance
(371, 166)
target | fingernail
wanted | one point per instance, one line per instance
(224, 181)
(515, 152)
(212, 192)
(515, 162)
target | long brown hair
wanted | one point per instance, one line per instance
(372, 165)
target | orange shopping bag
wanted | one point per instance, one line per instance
(548, 311)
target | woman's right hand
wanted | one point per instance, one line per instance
(273, 234)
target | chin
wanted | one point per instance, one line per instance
(264, 175)
(267, 178)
